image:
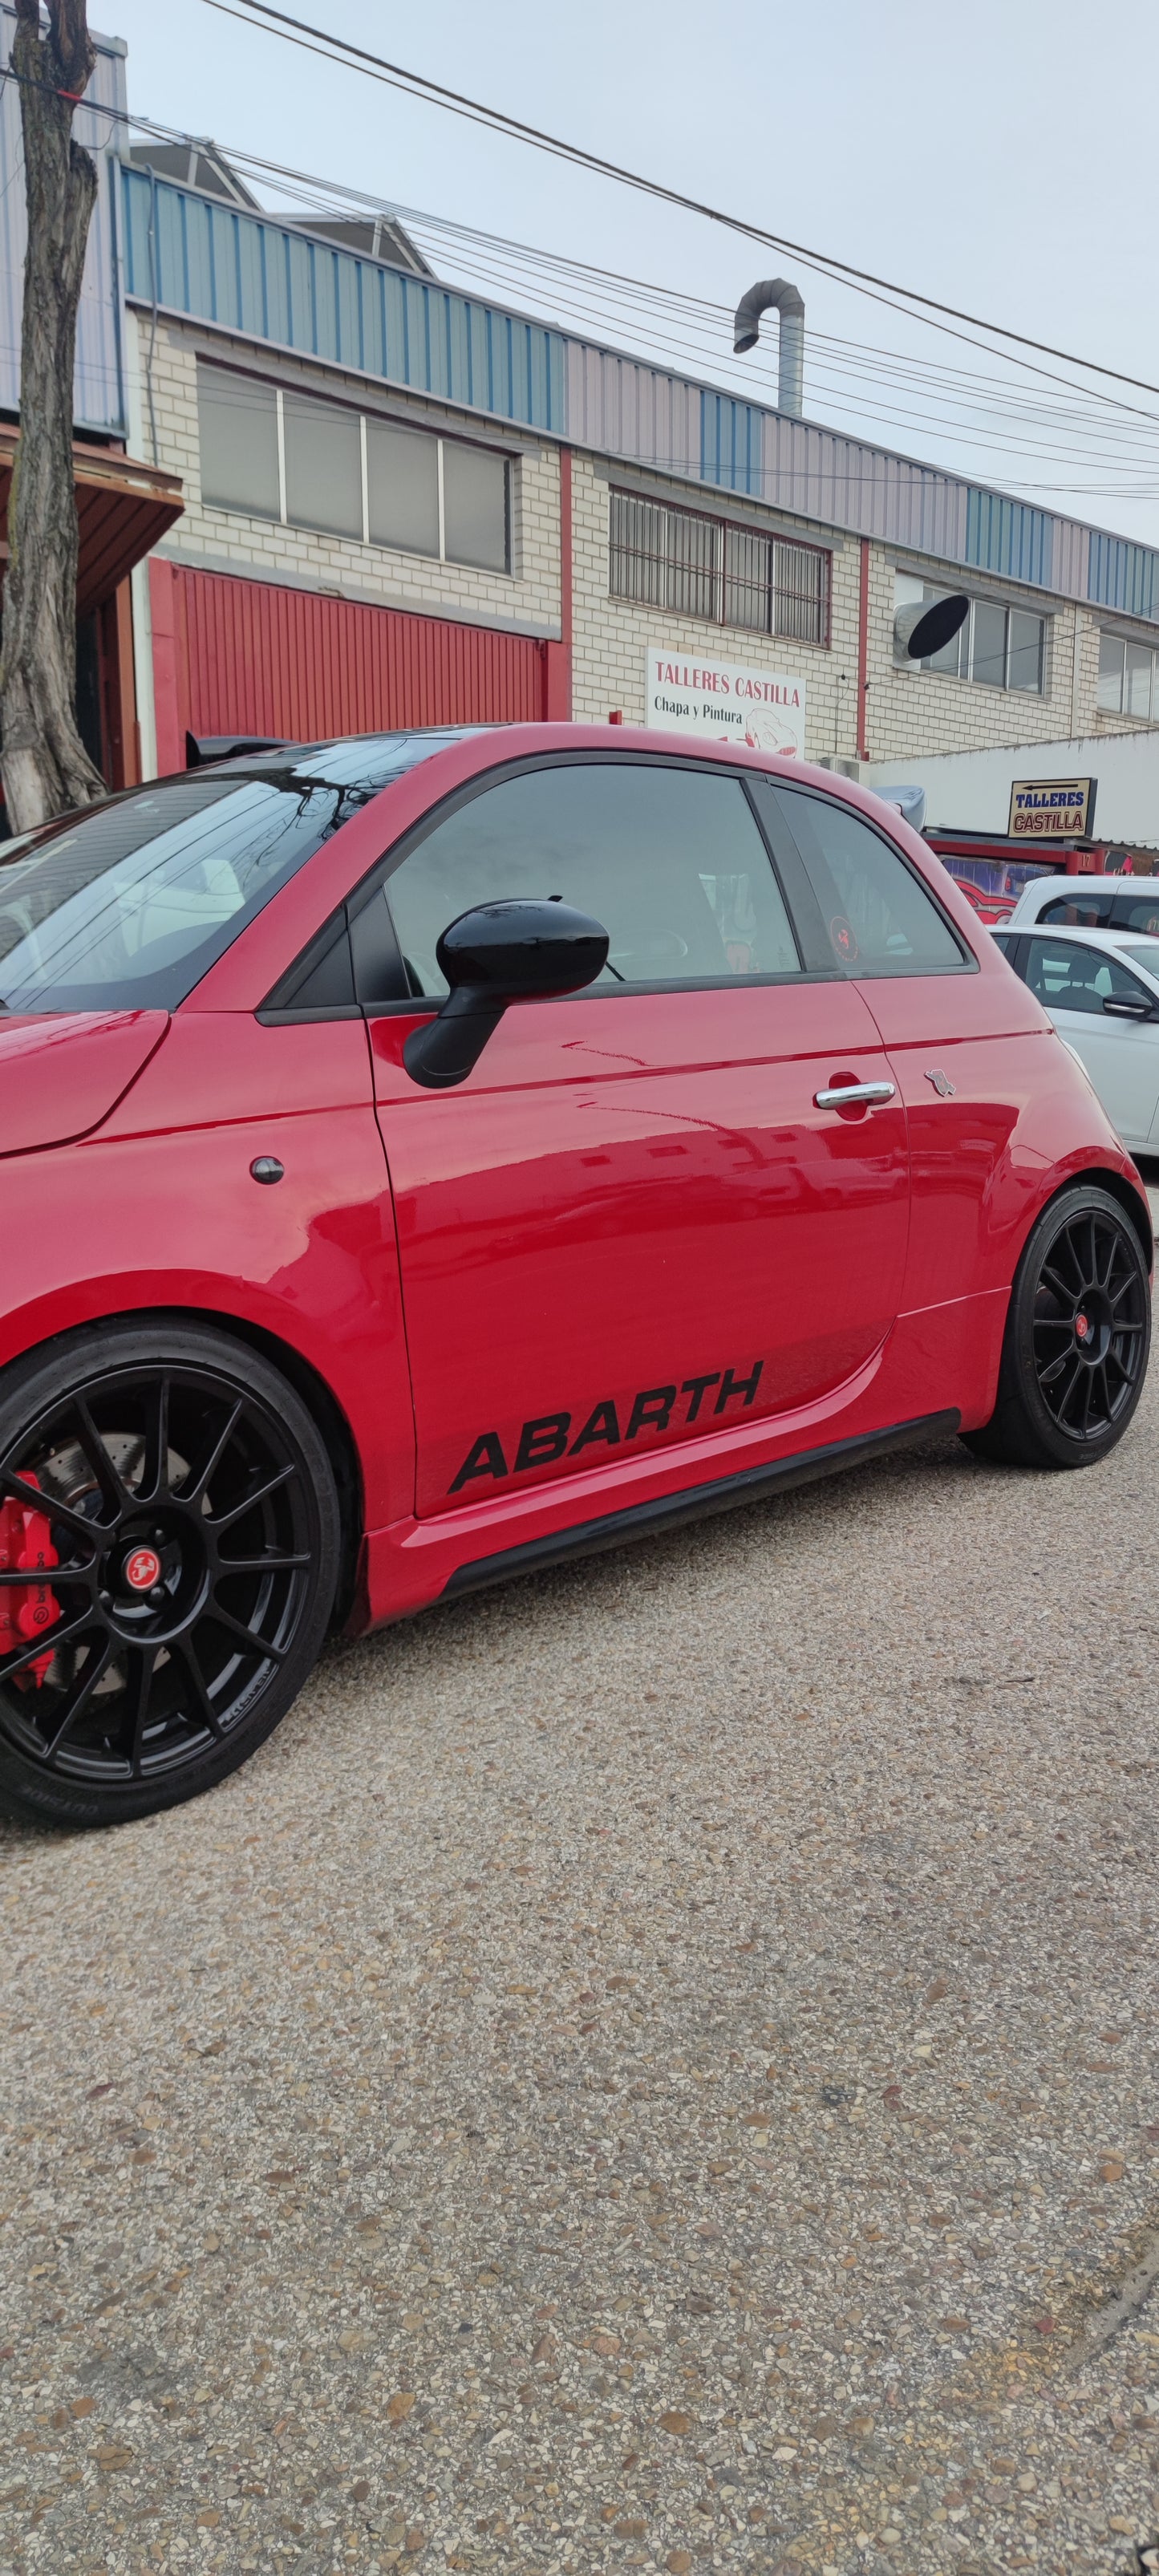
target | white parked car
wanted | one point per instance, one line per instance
(1089, 903)
(1101, 988)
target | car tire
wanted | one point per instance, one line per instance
(1077, 1338)
(169, 1550)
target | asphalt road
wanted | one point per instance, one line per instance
(653, 2068)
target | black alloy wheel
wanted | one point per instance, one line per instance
(1077, 1337)
(169, 1538)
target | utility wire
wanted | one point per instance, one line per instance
(831, 360)
(266, 169)
(313, 39)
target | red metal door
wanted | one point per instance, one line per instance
(251, 657)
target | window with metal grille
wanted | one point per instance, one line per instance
(712, 568)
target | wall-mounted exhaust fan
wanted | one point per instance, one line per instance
(927, 624)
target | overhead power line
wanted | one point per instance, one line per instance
(336, 48)
(960, 406)
(1116, 436)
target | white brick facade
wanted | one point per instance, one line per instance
(217, 540)
(909, 713)
(611, 636)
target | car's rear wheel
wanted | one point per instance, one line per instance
(1077, 1338)
(169, 1546)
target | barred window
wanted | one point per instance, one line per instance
(711, 568)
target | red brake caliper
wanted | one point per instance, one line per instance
(26, 1541)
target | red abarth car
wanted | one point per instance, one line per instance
(427, 1155)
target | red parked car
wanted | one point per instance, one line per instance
(430, 1155)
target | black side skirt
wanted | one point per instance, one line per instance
(672, 1511)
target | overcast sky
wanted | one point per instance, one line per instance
(999, 158)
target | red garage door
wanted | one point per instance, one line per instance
(249, 657)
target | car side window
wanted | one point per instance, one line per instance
(1079, 912)
(669, 860)
(1137, 912)
(1065, 977)
(880, 919)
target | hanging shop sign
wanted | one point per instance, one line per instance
(724, 701)
(1052, 809)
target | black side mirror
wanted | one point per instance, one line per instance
(1124, 1006)
(500, 953)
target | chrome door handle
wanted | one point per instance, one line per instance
(849, 1093)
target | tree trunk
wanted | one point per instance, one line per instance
(45, 765)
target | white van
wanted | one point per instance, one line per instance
(1089, 903)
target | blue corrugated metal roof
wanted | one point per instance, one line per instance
(262, 278)
(267, 281)
(732, 443)
(1123, 576)
(1009, 537)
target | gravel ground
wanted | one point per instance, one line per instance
(652, 2068)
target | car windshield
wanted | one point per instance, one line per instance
(1145, 955)
(126, 905)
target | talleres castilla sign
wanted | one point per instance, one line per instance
(1052, 809)
(724, 701)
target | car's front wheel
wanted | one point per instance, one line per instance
(1077, 1337)
(169, 1547)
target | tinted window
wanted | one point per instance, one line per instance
(988, 658)
(323, 466)
(1066, 977)
(1145, 955)
(474, 507)
(402, 481)
(238, 427)
(1080, 912)
(126, 906)
(1111, 650)
(1025, 668)
(1137, 912)
(669, 860)
(1137, 681)
(880, 920)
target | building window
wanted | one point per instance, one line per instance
(278, 454)
(1128, 678)
(239, 442)
(997, 648)
(696, 566)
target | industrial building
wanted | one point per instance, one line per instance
(365, 498)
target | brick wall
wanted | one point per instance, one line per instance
(909, 713)
(229, 540)
(612, 637)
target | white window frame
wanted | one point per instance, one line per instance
(390, 421)
(1114, 635)
(929, 591)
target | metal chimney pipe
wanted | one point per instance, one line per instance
(790, 305)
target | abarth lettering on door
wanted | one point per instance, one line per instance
(547, 1436)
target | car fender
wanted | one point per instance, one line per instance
(156, 1222)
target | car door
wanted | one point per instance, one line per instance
(639, 1221)
(1076, 983)
(956, 1039)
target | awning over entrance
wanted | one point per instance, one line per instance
(123, 508)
